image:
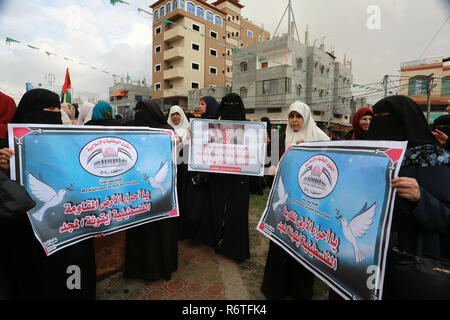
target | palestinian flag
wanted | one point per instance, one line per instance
(65, 94)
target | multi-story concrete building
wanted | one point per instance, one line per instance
(193, 44)
(414, 79)
(126, 93)
(271, 75)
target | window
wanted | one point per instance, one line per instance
(264, 65)
(298, 90)
(158, 86)
(250, 33)
(168, 8)
(244, 66)
(321, 94)
(418, 85)
(156, 15)
(213, 52)
(212, 70)
(209, 16)
(287, 85)
(175, 5)
(213, 34)
(190, 7)
(445, 89)
(181, 4)
(200, 12)
(195, 47)
(266, 86)
(317, 113)
(243, 92)
(195, 66)
(322, 69)
(195, 27)
(195, 85)
(273, 110)
(162, 11)
(218, 21)
(157, 68)
(158, 30)
(157, 49)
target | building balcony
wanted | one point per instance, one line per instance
(174, 34)
(173, 74)
(173, 54)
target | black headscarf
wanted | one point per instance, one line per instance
(269, 125)
(404, 121)
(231, 108)
(149, 114)
(212, 106)
(30, 108)
(443, 124)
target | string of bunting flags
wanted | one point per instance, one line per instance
(10, 40)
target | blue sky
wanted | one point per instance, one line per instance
(119, 39)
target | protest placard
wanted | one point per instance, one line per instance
(88, 180)
(233, 147)
(330, 208)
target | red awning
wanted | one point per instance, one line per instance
(118, 93)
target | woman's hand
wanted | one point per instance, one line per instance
(5, 155)
(272, 171)
(267, 138)
(440, 136)
(407, 188)
(299, 141)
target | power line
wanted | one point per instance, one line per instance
(434, 38)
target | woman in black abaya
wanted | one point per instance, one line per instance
(422, 200)
(152, 249)
(230, 196)
(35, 275)
(196, 211)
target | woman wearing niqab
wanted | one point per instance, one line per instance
(284, 276)
(441, 127)
(195, 213)
(151, 249)
(422, 204)
(35, 275)
(230, 196)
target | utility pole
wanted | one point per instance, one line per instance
(291, 18)
(385, 83)
(430, 87)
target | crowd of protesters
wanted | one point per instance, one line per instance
(214, 207)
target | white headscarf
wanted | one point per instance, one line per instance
(65, 118)
(309, 132)
(85, 112)
(182, 128)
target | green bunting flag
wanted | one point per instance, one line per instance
(166, 22)
(9, 40)
(113, 2)
(32, 47)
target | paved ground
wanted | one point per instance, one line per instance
(204, 275)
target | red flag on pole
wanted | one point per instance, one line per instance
(67, 85)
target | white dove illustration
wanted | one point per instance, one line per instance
(45, 194)
(282, 195)
(357, 227)
(159, 178)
